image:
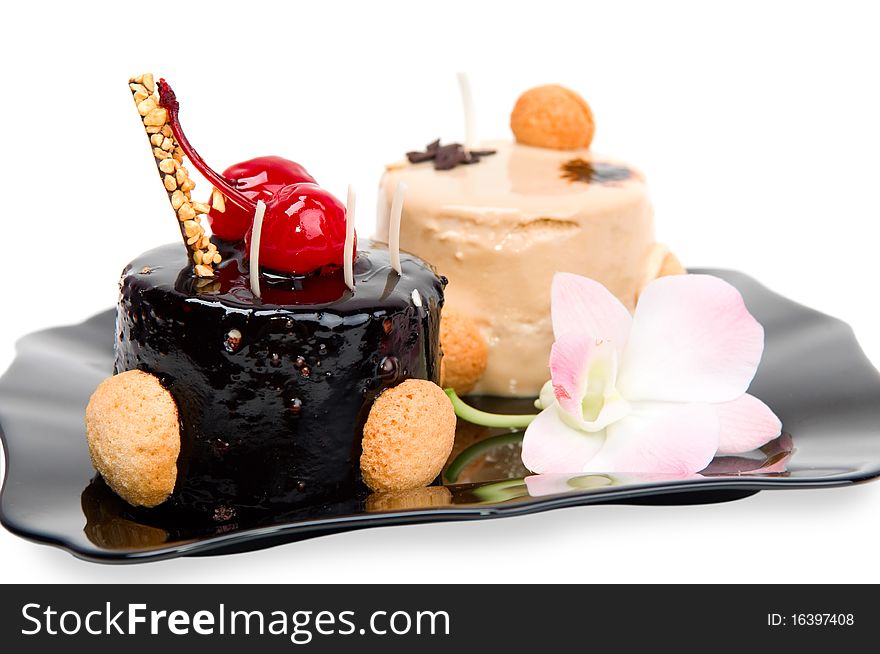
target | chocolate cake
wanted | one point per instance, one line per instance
(272, 393)
(249, 361)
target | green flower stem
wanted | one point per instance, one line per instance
(479, 448)
(485, 419)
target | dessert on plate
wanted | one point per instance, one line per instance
(499, 219)
(248, 362)
(279, 362)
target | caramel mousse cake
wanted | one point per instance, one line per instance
(248, 363)
(501, 219)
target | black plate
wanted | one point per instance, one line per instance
(814, 375)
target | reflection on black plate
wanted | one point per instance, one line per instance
(814, 375)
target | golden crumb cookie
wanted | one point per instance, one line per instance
(465, 353)
(407, 437)
(414, 498)
(552, 116)
(671, 266)
(134, 437)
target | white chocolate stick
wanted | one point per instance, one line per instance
(348, 254)
(394, 227)
(255, 248)
(467, 99)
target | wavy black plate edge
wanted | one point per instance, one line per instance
(707, 490)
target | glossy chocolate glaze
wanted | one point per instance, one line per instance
(273, 392)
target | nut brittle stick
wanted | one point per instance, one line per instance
(175, 177)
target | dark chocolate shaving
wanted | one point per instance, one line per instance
(581, 170)
(447, 157)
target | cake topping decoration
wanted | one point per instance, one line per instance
(303, 231)
(304, 225)
(256, 234)
(552, 116)
(465, 352)
(258, 179)
(467, 102)
(394, 227)
(348, 249)
(407, 437)
(175, 177)
(133, 432)
(581, 170)
(447, 157)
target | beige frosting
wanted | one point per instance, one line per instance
(500, 228)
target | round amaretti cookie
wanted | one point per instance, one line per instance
(464, 352)
(407, 437)
(133, 432)
(552, 116)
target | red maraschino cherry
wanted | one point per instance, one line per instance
(304, 225)
(303, 230)
(258, 179)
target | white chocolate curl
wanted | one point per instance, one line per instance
(255, 248)
(467, 100)
(348, 254)
(394, 227)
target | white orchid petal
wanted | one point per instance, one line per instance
(550, 445)
(667, 438)
(746, 424)
(692, 340)
(582, 306)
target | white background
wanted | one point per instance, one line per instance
(758, 125)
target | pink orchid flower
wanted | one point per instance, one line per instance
(660, 391)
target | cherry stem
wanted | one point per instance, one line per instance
(168, 100)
